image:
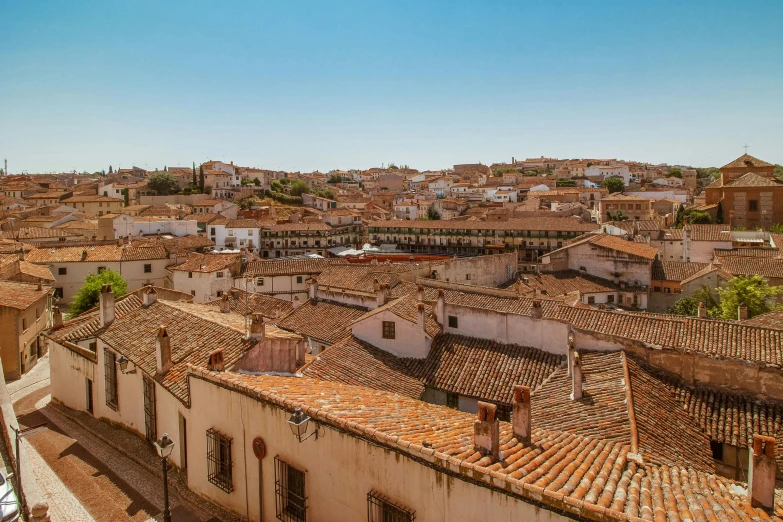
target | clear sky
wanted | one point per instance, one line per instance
(300, 85)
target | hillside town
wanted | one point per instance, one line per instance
(538, 339)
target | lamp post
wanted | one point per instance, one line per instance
(298, 422)
(164, 447)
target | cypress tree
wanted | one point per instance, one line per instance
(110, 170)
(194, 174)
(719, 213)
(201, 177)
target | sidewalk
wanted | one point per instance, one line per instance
(93, 471)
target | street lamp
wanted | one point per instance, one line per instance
(122, 362)
(299, 422)
(164, 447)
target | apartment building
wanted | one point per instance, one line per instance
(25, 312)
(296, 239)
(94, 205)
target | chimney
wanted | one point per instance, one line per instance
(313, 288)
(258, 328)
(106, 305)
(486, 431)
(761, 472)
(381, 297)
(119, 241)
(702, 313)
(149, 296)
(163, 351)
(440, 307)
(420, 293)
(57, 317)
(742, 313)
(536, 312)
(225, 304)
(216, 362)
(422, 318)
(520, 417)
(576, 377)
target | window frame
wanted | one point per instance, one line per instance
(453, 321)
(381, 508)
(147, 268)
(110, 388)
(62, 270)
(388, 330)
(286, 508)
(220, 462)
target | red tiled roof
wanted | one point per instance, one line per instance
(674, 270)
(322, 320)
(246, 303)
(708, 232)
(746, 160)
(275, 267)
(748, 266)
(21, 296)
(206, 262)
(96, 253)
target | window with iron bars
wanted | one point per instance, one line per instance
(382, 509)
(110, 371)
(290, 493)
(219, 460)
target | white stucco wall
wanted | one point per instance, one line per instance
(409, 340)
(131, 271)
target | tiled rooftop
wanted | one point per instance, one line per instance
(21, 296)
(113, 252)
(322, 320)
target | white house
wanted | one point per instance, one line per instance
(236, 233)
(206, 276)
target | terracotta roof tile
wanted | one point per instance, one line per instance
(748, 266)
(674, 270)
(206, 262)
(20, 295)
(96, 253)
(275, 267)
(322, 320)
(245, 303)
(746, 160)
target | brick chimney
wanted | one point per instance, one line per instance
(162, 351)
(225, 304)
(761, 472)
(576, 377)
(521, 413)
(422, 318)
(258, 328)
(420, 293)
(216, 361)
(57, 317)
(440, 307)
(106, 305)
(486, 430)
(742, 313)
(150, 296)
(312, 289)
(536, 312)
(380, 293)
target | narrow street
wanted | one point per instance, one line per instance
(90, 470)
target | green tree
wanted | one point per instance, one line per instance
(752, 291)
(165, 168)
(335, 178)
(194, 182)
(276, 186)
(719, 213)
(432, 214)
(690, 305)
(285, 181)
(88, 295)
(614, 184)
(162, 182)
(674, 171)
(687, 306)
(697, 217)
(299, 187)
(777, 228)
(110, 170)
(126, 196)
(778, 172)
(201, 178)
(617, 216)
(680, 216)
(257, 182)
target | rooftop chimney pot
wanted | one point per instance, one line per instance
(149, 296)
(742, 313)
(486, 430)
(761, 472)
(225, 304)
(162, 351)
(106, 305)
(521, 414)
(576, 377)
(702, 310)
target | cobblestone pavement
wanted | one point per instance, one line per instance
(93, 471)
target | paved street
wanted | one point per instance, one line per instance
(92, 471)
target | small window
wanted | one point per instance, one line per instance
(656, 289)
(382, 509)
(219, 460)
(610, 298)
(212, 231)
(259, 281)
(147, 268)
(717, 449)
(24, 323)
(388, 329)
(753, 205)
(62, 270)
(192, 292)
(452, 400)
(453, 321)
(220, 274)
(290, 492)
(591, 299)
(58, 293)
(37, 312)
(110, 379)
(190, 275)
(299, 280)
(101, 269)
(220, 293)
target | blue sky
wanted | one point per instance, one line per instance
(321, 85)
